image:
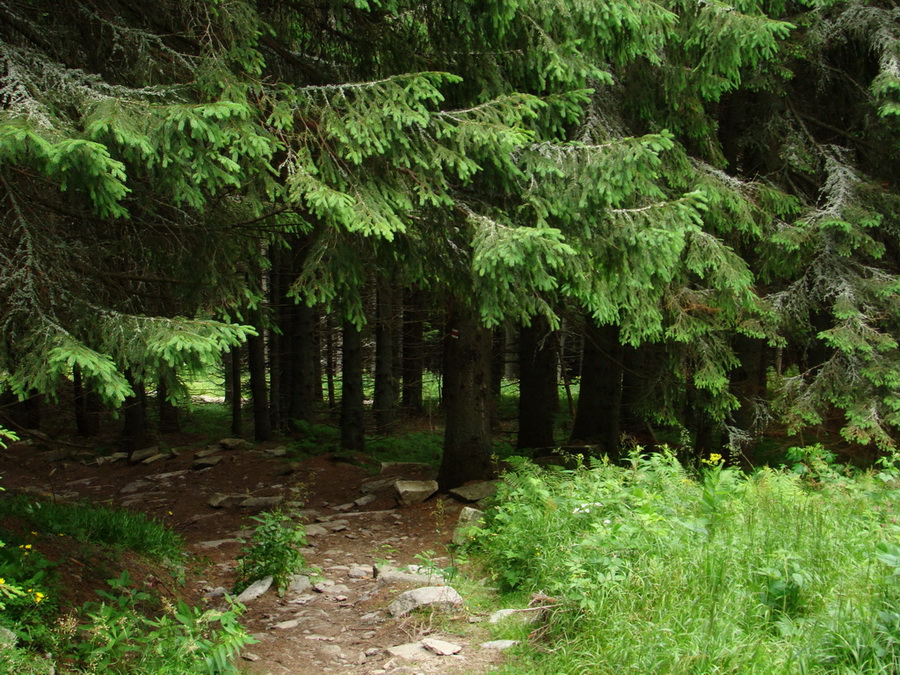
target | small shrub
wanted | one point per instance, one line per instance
(275, 550)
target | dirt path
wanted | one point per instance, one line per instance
(341, 624)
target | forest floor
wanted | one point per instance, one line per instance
(345, 629)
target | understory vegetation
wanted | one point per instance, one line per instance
(134, 627)
(654, 567)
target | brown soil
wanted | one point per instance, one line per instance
(345, 633)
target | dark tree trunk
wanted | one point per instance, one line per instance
(385, 388)
(538, 392)
(330, 365)
(168, 412)
(256, 362)
(303, 371)
(467, 399)
(498, 364)
(278, 359)
(635, 380)
(352, 410)
(413, 353)
(87, 406)
(237, 422)
(597, 418)
(227, 374)
(134, 415)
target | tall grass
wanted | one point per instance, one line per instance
(658, 571)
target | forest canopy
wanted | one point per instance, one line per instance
(706, 192)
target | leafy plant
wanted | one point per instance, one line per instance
(275, 550)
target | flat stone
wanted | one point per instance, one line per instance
(206, 462)
(330, 651)
(140, 455)
(441, 647)
(376, 485)
(169, 475)
(110, 459)
(219, 500)
(7, 638)
(209, 451)
(155, 458)
(216, 543)
(255, 590)
(335, 525)
(276, 452)
(249, 656)
(412, 651)
(411, 492)
(299, 584)
(344, 507)
(314, 530)
(286, 625)
(135, 486)
(235, 444)
(360, 572)
(337, 589)
(388, 575)
(261, 502)
(474, 492)
(499, 645)
(438, 597)
(365, 500)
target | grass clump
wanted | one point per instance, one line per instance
(98, 524)
(656, 570)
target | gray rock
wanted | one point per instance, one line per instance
(388, 575)
(475, 492)
(365, 500)
(344, 507)
(110, 459)
(441, 647)
(169, 475)
(255, 590)
(412, 651)
(524, 617)
(7, 638)
(159, 456)
(235, 444)
(411, 492)
(335, 525)
(336, 589)
(299, 584)
(249, 656)
(360, 572)
(437, 597)
(376, 485)
(275, 452)
(217, 592)
(219, 500)
(286, 625)
(210, 450)
(330, 651)
(499, 645)
(206, 462)
(140, 455)
(468, 517)
(314, 530)
(135, 486)
(261, 502)
(216, 543)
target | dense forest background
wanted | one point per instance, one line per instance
(685, 213)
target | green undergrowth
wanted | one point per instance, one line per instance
(653, 569)
(52, 552)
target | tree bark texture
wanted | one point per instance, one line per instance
(597, 417)
(538, 392)
(352, 410)
(413, 353)
(385, 389)
(256, 362)
(467, 398)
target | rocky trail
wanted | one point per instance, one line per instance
(371, 558)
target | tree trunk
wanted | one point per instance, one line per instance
(134, 415)
(168, 412)
(302, 370)
(256, 362)
(413, 353)
(330, 365)
(352, 410)
(227, 374)
(597, 418)
(237, 402)
(385, 389)
(466, 399)
(87, 407)
(538, 392)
